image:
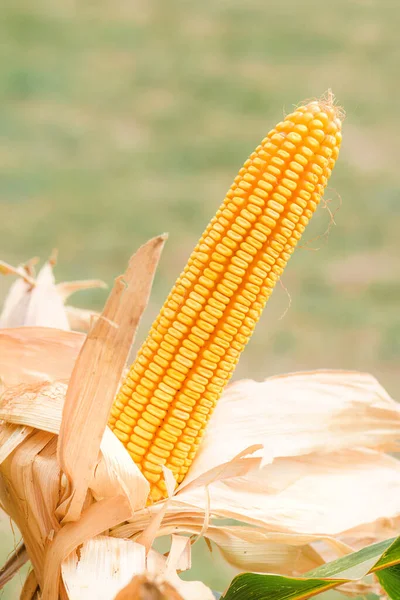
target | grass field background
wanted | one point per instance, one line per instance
(123, 119)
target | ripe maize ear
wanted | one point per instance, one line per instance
(163, 406)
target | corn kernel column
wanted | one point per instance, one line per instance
(194, 345)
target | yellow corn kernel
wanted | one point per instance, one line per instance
(194, 345)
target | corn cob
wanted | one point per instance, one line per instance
(163, 406)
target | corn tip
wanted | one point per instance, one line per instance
(327, 102)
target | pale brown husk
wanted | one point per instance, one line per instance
(300, 459)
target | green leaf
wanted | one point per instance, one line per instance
(356, 565)
(382, 558)
(390, 581)
(387, 570)
(251, 586)
(390, 556)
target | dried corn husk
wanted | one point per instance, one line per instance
(40, 302)
(101, 486)
(33, 354)
(300, 459)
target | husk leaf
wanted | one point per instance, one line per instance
(45, 308)
(80, 319)
(34, 354)
(65, 289)
(94, 520)
(17, 560)
(94, 575)
(11, 436)
(103, 356)
(317, 411)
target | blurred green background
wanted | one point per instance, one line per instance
(122, 119)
